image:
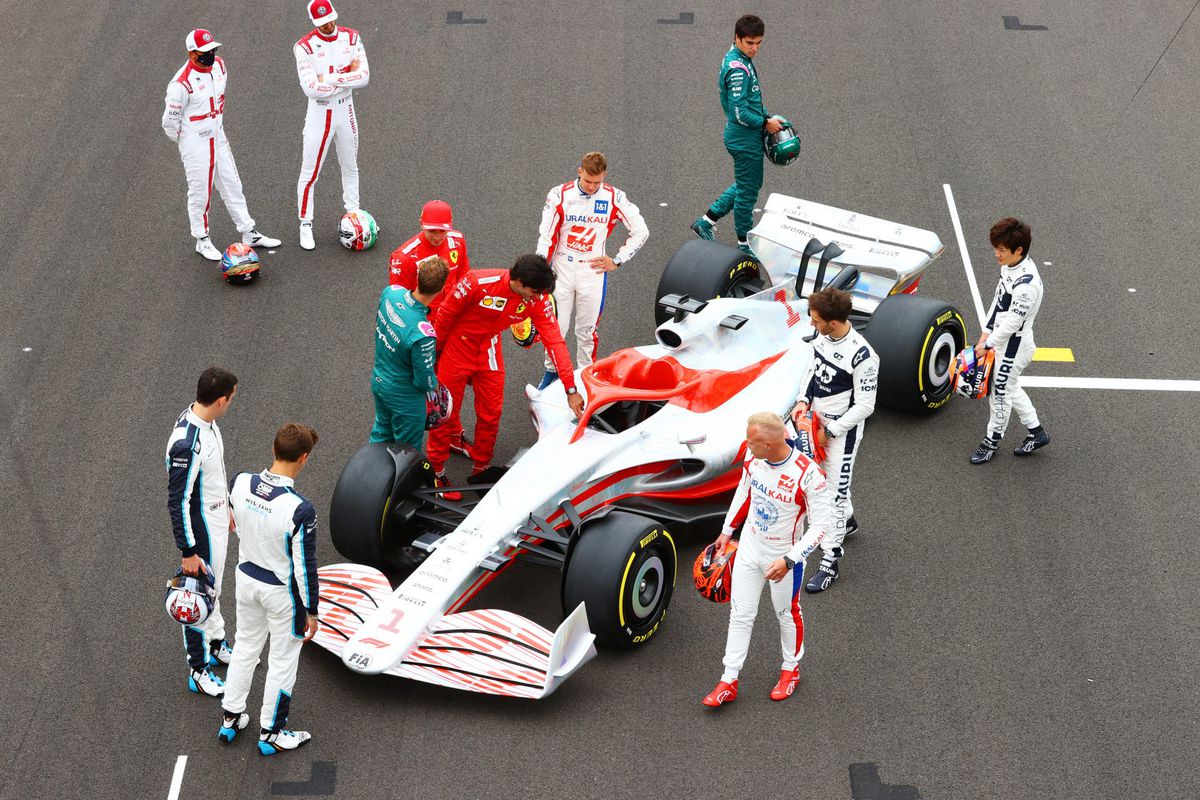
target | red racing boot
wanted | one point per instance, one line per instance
(787, 684)
(440, 480)
(724, 693)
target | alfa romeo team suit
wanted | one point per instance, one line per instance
(405, 260)
(575, 227)
(1010, 334)
(197, 499)
(404, 375)
(469, 324)
(785, 510)
(277, 589)
(745, 120)
(323, 64)
(193, 119)
(841, 391)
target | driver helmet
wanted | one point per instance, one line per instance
(240, 263)
(439, 404)
(189, 599)
(971, 376)
(713, 572)
(783, 146)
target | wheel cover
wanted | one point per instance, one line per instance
(647, 588)
(937, 365)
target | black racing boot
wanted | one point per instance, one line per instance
(1036, 439)
(986, 451)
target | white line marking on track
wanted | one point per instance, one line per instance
(962, 248)
(177, 778)
(1138, 384)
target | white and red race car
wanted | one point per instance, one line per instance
(657, 448)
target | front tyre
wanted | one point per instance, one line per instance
(704, 270)
(916, 339)
(622, 568)
(372, 502)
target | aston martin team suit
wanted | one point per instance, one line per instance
(841, 391)
(785, 510)
(404, 375)
(197, 499)
(574, 229)
(745, 119)
(402, 267)
(193, 119)
(468, 325)
(1010, 334)
(276, 589)
(323, 65)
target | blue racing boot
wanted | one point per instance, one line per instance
(271, 742)
(1036, 439)
(219, 652)
(824, 577)
(703, 228)
(231, 724)
(550, 377)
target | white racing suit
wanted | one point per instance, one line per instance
(197, 500)
(276, 590)
(774, 501)
(841, 391)
(574, 229)
(195, 109)
(323, 66)
(1010, 334)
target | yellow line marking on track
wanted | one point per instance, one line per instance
(1054, 354)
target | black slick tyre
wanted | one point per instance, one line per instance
(371, 502)
(703, 270)
(916, 339)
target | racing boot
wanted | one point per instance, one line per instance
(1036, 439)
(219, 652)
(306, 236)
(231, 724)
(703, 227)
(825, 575)
(255, 239)
(272, 742)
(205, 681)
(722, 694)
(788, 679)
(851, 526)
(204, 247)
(461, 444)
(550, 377)
(440, 480)
(744, 246)
(986, 451)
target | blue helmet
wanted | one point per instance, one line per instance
(239, 264)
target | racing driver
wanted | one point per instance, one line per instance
(780, 491)
(485, 303)
(331, 63)
(576, 221)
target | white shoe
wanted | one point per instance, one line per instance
(256, 239)
(271, 743)
(204, 247)
(231, 724)
(306, 237)
(205, 681)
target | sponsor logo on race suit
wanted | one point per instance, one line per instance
(426, 328)
(393, 316)
(494, 303)
(601, 207)
(581, 238)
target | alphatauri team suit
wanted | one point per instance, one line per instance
(276, 590)
(745, 120)
(323, 64)
(785, 510)
(574, 229)
(1010, 334)
(402, 267)
(193, 119)
(197, 499)
(468, 325)
(841, 391)
(404, 375)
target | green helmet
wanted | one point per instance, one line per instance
(783, 146)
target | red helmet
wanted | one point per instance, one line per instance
(806, 436)
(437, 216)
(713, 572)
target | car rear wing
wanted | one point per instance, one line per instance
(807, 244)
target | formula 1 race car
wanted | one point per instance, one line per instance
(658, 448)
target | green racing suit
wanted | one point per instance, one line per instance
(745, 118)
(405, 374)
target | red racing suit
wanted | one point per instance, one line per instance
(469, 324)
(402, 267)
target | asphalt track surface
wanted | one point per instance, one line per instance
(1024, 630)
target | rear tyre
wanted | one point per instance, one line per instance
(704, 270)
(622, 568)
(916, 339)
(372, 503)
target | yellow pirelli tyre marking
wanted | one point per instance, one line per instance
(621, 596)
(1063, 354)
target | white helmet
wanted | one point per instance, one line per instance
(190, 600)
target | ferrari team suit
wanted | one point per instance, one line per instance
(1010, 334)
(784, 509)
(841, 391)
(276, 590)
(195, 109)
(404, 375)
(402, 267)
(575, 227)
(197, 498)
(468, 325)
(745, 120)
(323, 65)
